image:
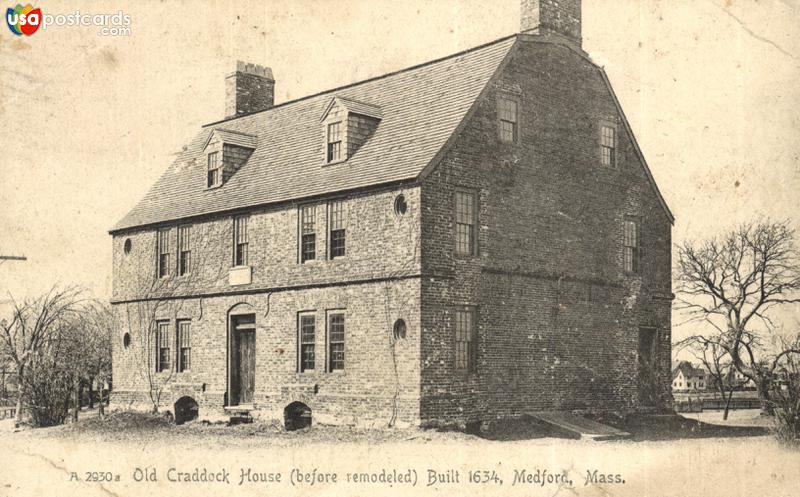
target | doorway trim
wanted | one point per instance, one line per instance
(239, 309)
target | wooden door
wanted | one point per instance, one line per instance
(242, 360)
(648, 366)
(247, 366)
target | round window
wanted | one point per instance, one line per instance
(126, 340)
(400, 205)
(399, 329)
(127, 246)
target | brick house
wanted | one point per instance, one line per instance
(467, 239)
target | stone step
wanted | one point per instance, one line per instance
(239, 414)
(579, 426)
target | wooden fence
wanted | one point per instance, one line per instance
(699, 405)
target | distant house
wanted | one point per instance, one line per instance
(687, 378)
(740, 381)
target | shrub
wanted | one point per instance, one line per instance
(49, 389)
(785, 404)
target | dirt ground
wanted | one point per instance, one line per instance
(673, 456)
(743, 417)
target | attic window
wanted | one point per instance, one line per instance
(400, 205)
(608, 145)
(214, 170)
(334, 142)
(507, 110)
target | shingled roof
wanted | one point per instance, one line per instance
(420, 107)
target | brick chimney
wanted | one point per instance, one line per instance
(561, 17)
(250, 88)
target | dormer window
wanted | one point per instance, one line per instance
(214, 170)
(334, 142)
(347, 125)
(226, 152)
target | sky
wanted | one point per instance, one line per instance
(89, 122)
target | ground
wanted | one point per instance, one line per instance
(669, 457)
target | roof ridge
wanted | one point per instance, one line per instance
(374, 78)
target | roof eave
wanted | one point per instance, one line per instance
(121, 227)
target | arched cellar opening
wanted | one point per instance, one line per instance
(296, 416)
(186, 409)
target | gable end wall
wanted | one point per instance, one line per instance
(558, 320)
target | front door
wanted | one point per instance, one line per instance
(243, 359)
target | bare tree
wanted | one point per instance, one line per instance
(716, 361)
(51, 378)
(5, 370)
(733, 283)
(34, 324)
(94, 362)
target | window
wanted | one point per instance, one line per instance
(400, 205)
(466, 350)
(214, 170)
(608, 145)
(308, 235)
(334, 142)
(184, 249)
(163, 356)
(240, 240)
(399, 329)
(184, 346)
(335, 341)
(127, 246)
(465, 222)
(337, 234)
(163, 253)
(126, 340)
(507, 115)
(631, 251)
(307, 337)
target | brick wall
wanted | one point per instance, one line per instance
(364, 392)
(379, 244)
(375, 283)
(558, 320)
